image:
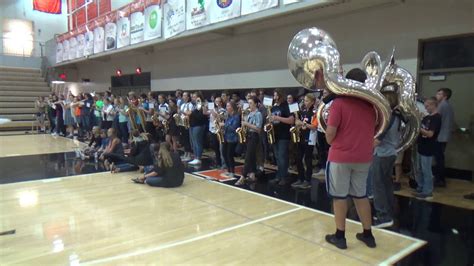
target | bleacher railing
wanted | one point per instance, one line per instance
(21, 47)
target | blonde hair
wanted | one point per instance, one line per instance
(311, 97)
(164, 155)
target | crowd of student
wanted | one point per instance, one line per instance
(142, 131)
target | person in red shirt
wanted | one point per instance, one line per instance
(350, 132)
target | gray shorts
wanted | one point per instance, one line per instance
(347, 179)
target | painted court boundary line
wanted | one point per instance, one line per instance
(391, 260)
(178, 243)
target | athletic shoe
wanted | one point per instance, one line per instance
(274, 181)
(422, 196)
(186, 159)
(321, 172)
(305, 185)
(369, 241)
(338, 242)
(54, 134)
(382, 224)
(296, 184)
(195, 162)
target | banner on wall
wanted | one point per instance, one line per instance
(286, 2)
(47, 6)
(137, 21)
(59, 49)
(222, 10)
(153, 18)
(197, 13)
(110, 31)
(89, 39)
(174, 18)
(253, 6)
(80, 42)
(72, 46)
(123, 26)
(99, 34)
(66, 48)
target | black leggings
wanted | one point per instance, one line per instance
(184, 139)
(251, 153)
(306, 151)
(216, 147)
(229, 151)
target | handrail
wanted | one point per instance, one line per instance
(23, 48)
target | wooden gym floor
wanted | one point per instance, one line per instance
(104, 218)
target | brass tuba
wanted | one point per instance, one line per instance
(268, 128)
(411, 116)
(131, 113)
(313, 59)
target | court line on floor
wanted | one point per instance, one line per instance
(178, 243)
(398, 255)
(52, 180)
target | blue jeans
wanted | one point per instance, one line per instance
(424, 176)
(280, 150)
(197, 138)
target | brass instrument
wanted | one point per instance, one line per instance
(268, 128)
(141, 116)
(185, 121)
(295, 131)
(242, 130)
(177, 119)
(131, 113)
(219, 130)
(156, 120)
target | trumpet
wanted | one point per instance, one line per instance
(268, 128)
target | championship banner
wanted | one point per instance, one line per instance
(72, 47)
(66, 48)
(153, 18)
(174, 17)
(222, 10)
(99, 35)
(286, 2)
(197, 13)
(47, 6)
(110, 31)
(89, 39)
(59, 49)
(123, 26)
(253, 6)
(137, 21)
(80, 43)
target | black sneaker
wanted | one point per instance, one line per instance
(338, 242)
(440, 183)
(305, 185)
(274, 181)
(422, 196)
(397, 186)
(369, 241)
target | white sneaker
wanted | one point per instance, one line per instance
(54, 134)
(195, 162)
(186, 159)
(321, 172)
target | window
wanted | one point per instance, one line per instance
(17, 37)
(453, 52)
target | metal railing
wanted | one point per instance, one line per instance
(21, 47)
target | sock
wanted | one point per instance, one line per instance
(340, 234)
(368, 233)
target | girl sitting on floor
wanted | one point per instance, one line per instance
(169, 171)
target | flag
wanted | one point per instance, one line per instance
(47, 6)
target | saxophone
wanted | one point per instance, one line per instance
(219, 130)
(268, 128)
(242, 131)
(131, 113)
(295, 131)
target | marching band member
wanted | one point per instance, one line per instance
(163, 110)
(307, 125)
(197, 123)
(282, 120)
(253, 126)
(230, 136)
(214, 117)
(186, 106)
(172, 135)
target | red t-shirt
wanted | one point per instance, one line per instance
(355, 123)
